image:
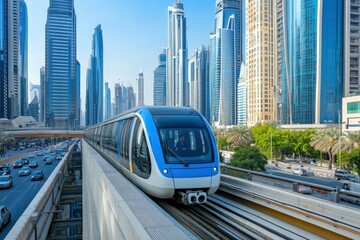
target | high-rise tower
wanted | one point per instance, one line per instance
(107, 101)
(95, 82)
(312, 70)
(61, 104)
(160, 81)
(23, 59)
(259, 61)
(4, 26)
(176, 65)
(225, 57)
(13, 58)
(140, 81)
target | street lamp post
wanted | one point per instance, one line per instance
(271, 152)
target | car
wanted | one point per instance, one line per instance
(304, 189)
(18, 164)
(25, 160)
(24, 171)
(341, 174)
(37, 175)
(5, 170)
(6, 181)
(5, 216)
(33, 164)
(48, 155)
(48, 160)
(31, 155)
(59, 157)
(299, 171)
(40, 152)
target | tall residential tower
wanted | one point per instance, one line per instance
(176, 65)
(61, 105)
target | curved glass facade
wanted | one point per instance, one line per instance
(23, 56)
(301, 38)
(94, 92)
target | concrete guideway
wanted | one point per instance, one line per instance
(116, 209)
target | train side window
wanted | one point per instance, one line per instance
(140, 154)
(125, 143)
(118, 139)
(112, 140)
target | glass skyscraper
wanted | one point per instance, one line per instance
(140, 81)
(107, 101)
(3, 58)
(177, 56)
(312, 73)
(226, 56)
(160, 81)
(95, 82)
(23, 57)
(61, 104)
(199, 81)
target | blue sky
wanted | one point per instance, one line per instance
(134, 31)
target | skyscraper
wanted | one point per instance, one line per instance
(95, 82)
(34, 108)
(107, 101)
(23, 59)
(312, 75)
(199, 81)
(225, 58)
(61, 66)
(176, 65)
(160, 81)
(259, 59)
(13, 58)
(242, 97)
(4, 58)
(42, 95)
(352, 48)
(140, 81)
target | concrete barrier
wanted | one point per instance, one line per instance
(35, 222)
(116, 209)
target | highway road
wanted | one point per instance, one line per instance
(24, 190)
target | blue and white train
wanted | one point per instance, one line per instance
(144, 144)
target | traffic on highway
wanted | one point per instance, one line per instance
(28, 173)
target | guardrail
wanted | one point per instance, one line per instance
(330, 193)
(35, 222)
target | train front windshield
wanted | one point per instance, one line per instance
(184, 139)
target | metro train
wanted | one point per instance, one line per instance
(168, 152)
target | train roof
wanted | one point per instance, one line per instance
(165, 110)
(155, 110)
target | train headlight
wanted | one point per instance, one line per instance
(165, 171)
(215, 169)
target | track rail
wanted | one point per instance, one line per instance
(228, 215)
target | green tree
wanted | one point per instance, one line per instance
(352, 159)
(302, 140)
(326, 140)
(248, 157)
(238, 135)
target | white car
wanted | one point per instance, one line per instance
(31, 155)
(300, 172)
(24, 171)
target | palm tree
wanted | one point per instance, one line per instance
(239, 135)
(350, 141)
(326, 140)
